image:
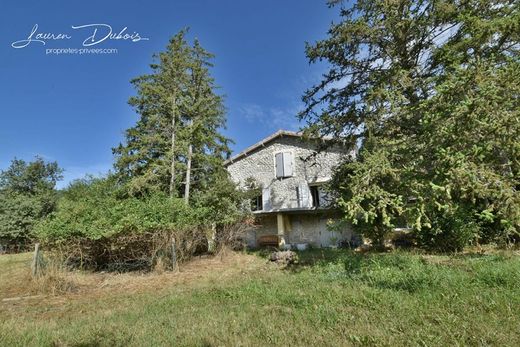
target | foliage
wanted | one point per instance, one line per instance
(222, 199)
(92, 209)
(368, 198)
(450, 230)
(27, 195)
(429, 91)
(97, 225)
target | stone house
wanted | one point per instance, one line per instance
(289, 173)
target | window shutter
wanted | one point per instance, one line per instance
(279, 164)
(266, 199)
(287, 164)
(303, 195)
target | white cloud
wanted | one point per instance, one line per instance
(273, 118)
(252, 112)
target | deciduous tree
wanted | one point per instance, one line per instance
(27, 195)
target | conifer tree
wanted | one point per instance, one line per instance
(429, 90)
(177, 141)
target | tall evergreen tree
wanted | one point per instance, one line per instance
(176, 144)
(427, 89)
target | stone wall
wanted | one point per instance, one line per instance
(284, 195)
(309, 168)
(305, 228)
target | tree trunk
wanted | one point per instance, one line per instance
(188, 171)
(172, 167)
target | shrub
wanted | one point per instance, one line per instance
(96, 227)
(450, 231)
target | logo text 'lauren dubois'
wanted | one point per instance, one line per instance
(97, 33)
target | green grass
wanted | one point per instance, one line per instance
(332, 298)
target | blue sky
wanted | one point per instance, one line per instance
(73, 108)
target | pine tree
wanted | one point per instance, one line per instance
(181, 116)
(428, 91)
(204, 116)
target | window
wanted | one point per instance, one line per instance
(262, 202)
(315, 193)
(256, 203)
(284, 164)
(311, 196)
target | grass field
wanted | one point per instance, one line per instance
(332, 297)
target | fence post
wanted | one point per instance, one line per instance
(211, 238)
(174, 256)
(36, 261)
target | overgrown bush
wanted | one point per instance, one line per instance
(450, 231)
(96, 226)
(130, 250)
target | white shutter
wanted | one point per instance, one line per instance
(279, 164)
(299, 196)
(287, 164)
(304, 195)
(266, 199)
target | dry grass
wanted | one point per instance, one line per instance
(333, 297)
(15, 274)
(16, 280)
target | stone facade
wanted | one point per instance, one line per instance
(290, 206)
(313, 229)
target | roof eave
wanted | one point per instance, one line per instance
(262, 143)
